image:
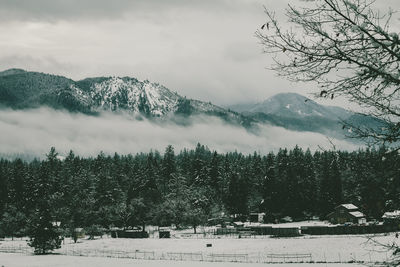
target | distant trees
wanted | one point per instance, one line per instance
(349, 49)
(188, 188)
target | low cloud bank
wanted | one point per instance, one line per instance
(33, 132)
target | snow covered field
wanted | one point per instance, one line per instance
(333, 249)
(15, 260)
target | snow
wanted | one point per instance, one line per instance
(357, 214)
(16, 260)
(391, 214)
(158, 98)
(318, 113)
(349, 206)
(340, 248)
(78, 91)
(115, 84)
(292, 224)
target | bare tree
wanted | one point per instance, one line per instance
(347, 48)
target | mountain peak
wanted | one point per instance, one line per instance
(12, 72)
(295, 107)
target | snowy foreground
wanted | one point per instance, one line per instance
(353, 250)
(14, 260)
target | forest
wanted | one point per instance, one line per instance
(192, 186)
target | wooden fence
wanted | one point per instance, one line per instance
(258, 257)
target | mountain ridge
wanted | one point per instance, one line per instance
(299, 113)
(21, 89)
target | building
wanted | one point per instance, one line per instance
(392, 217)
(346, 213)
(257, 217)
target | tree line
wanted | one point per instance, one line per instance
(188, 188)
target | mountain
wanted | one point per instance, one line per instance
(296, 112)
(21, 89)
(295, 105)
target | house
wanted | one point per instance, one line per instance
(391, 217)
(257, 217)
(346, 213)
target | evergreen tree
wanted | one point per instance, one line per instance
(44, 235)
(168, 167)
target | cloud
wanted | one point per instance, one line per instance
(56, 10)
(33, 132)
(202, 49)
(44, 64)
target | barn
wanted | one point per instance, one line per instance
(392, 217)
(346, 213)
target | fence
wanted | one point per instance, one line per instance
(278, 258)
(16, 249)
(304, 230)
(256, 257)
(346, 230)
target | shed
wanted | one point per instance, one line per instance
(391, 217)
(257, 217)
(346, 213)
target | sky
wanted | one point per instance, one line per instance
(204, 49)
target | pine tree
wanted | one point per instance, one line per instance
(44, 236)
(168, 167)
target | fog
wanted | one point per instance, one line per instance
(33, 132)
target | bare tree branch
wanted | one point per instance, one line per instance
(347, 48)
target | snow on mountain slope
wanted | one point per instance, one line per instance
(295, 105)
(117, 93)
(129, 94)
(21, 89)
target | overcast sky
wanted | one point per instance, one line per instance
(204, 49)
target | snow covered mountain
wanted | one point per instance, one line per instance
(22, 89)
(115, 93)
(296, 112)
(295, 105)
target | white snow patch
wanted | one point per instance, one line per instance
(317, 113)
(17, 260)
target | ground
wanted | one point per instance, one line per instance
(202, 250)
(15, 260)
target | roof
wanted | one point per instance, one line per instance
(348, 206)
(357, 214)
(392, 214)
